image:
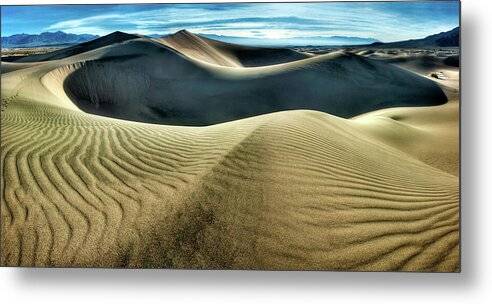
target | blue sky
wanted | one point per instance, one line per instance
(385, 21)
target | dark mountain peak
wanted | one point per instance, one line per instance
(57, 32)
(45, 39)
(182, 35)
(18, 35)
(114, 37)
(119, 34)
(450, 32)
(183, 32)
(110, 39)
(377, 43)
(449, 38)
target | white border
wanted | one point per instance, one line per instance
(473, 285)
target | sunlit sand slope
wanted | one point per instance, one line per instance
(227, 54)
(270, 192)
(7, 67)
(430, 134)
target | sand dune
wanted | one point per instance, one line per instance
(110, 39)
(108, 80)
(295, 189)
(198, 48)
(249, 56)
(228, 54)
(424, 63)
(418, 131)
(7, 67)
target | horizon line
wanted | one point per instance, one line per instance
(227, 36)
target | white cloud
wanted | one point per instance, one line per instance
(326, 19)
(75, 23)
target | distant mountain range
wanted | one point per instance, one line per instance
(296, 41)
(45, 39)
(62, 38)
(444, 39)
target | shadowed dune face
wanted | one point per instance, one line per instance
(161, 86)
(296, 189)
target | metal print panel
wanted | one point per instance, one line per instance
(256, 136)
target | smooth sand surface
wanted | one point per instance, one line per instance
(7, 67)
(296, 189)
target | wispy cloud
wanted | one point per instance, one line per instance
(82, 25)
(384, 21)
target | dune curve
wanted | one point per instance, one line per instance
(342, 84)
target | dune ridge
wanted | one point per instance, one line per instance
(228, 54)
(116, 37)
(296, 189)
(108, 80)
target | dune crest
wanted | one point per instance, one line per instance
(140, 79)
(228, 54)
(116, 37)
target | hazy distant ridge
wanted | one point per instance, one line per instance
(444, 39)
(46, 38)
(296, 41)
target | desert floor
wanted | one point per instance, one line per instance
(183, 152)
